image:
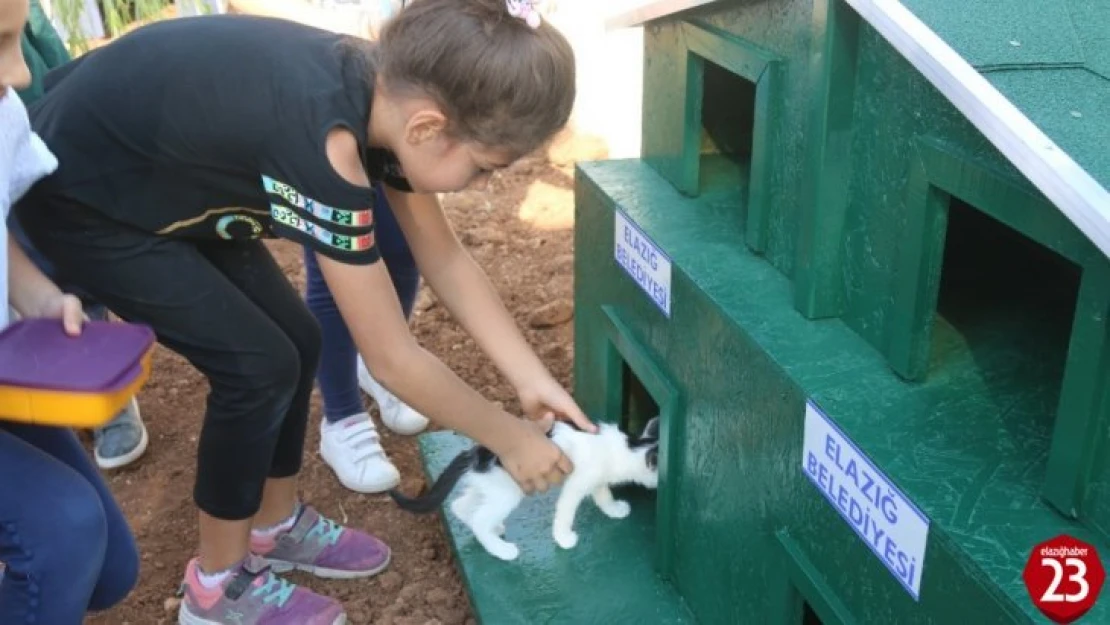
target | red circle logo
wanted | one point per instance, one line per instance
(1064, 576)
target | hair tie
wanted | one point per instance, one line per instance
(525, 10)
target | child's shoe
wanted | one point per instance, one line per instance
(353, 449)
(322, 547)
(253, 595)
(122, 440)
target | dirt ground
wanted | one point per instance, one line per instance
(520, 232)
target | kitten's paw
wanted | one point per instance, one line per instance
(507, 552)
(566, 540)
(617, 510)
(500, 530)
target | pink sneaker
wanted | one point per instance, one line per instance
(253, 595)
(324, 548)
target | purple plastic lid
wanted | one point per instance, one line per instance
(37, 353)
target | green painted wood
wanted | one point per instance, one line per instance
(772, 173)
(668, 398)
(668, 107)
(1083, 415)
(919, 267)
(689, 180)
(873, 253)
(968, 445)
(937, 175)
(810, 585)
(702, 43)
(818, 270)
(608, 578)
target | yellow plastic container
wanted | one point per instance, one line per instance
(48, 378)
(67, 408)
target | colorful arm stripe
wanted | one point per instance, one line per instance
(338, 216)
(347, 243)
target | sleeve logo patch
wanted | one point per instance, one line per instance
(347, 243)
(296, 199)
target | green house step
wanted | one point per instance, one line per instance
(608, 578)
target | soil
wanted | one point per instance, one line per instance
(520, 232)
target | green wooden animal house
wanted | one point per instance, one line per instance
(861, 271)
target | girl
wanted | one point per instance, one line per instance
(64, 543)
(186, 141)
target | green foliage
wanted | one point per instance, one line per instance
(118, 16)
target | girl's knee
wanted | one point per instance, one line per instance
(61, 539)
(120, 573)
(274, 367)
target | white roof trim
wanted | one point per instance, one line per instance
(1067, 185)
(651, 10)
(1079, 196)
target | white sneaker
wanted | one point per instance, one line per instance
(352, 449)
(396, 415)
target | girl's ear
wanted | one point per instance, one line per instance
(424, 125)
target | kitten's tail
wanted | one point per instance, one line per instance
(440, 489)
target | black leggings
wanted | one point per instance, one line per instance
(227, 308)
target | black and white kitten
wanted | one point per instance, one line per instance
(489, 494)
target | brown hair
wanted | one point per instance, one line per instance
(499, 82)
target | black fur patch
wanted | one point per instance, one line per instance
(485, 460)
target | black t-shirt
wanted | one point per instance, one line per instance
(215, 127)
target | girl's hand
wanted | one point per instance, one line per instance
(545, 398)
(534, 462)
(62, 306)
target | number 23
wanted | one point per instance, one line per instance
(1079, 577)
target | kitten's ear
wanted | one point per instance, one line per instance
(651, 430)
(653, 458)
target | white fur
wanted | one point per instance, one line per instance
(600, 460)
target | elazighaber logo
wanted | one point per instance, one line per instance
(1064, 577)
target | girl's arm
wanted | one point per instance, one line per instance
(33, 295)
(465, 290)
(369, 306)
(368, 303)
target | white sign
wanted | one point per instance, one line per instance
(894, 529)
(642, 259)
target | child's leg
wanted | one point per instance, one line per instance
(253, 368)
(252, 268)
(338, 355)
(251, 365)
(396, 253)
(67, 548)
(286, 534)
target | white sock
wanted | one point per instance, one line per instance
(282, 526)
(212, 580)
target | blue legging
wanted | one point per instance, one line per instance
(66, 545)
(337, 376)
